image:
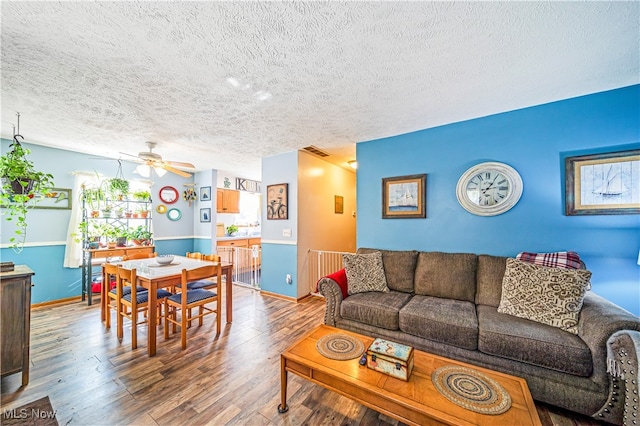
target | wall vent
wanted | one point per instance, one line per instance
(316, 151)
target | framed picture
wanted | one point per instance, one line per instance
(205, 193)
(57, 199)
(277, 199)
(404, 197)
(603, 183)
(339, 204)
(205, 215)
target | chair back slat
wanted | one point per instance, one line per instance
(194, 255)
(135, 256)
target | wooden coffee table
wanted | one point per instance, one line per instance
(416, 402)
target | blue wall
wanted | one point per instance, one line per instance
(535, 142)
(280, 253)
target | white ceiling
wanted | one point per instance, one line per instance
(223, 84)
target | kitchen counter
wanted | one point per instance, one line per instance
(241, 237)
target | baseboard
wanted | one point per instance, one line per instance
(56, 302)
(280, 296)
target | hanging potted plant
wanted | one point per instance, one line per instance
(22, 187)
(118, 188)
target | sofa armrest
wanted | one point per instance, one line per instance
(623, 352)
(332, 293)
(599, 319)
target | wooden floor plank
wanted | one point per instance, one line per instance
(234, 378)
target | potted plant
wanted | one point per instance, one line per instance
(144, 196)
(21, 182)
(140, 236)
(118, 188)
(232, 230)
(94, 198)
(107, 210)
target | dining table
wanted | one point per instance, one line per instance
(152, 276)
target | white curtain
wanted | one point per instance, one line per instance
(73, 251)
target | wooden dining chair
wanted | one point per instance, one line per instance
(136, 256)
(185, 301)
(194, 255)
(131, 302)
(205, 283)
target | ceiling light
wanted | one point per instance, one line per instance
(143, 170)
(353, 164)
(159, 171)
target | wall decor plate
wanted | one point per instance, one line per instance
(174, 214)
(162, 209)
(168, 194)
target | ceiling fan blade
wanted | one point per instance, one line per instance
(130, 155)
(176, 171)
(181, 164)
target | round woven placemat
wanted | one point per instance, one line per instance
(471, 389)
(340, 346)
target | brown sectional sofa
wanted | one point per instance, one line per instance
(446, 304)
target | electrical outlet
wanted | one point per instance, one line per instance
(288, 279)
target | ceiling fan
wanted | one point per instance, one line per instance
(154, 161)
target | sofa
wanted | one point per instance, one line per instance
(452, 305)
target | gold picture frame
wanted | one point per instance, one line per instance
(404, 197)
(338, 201)
(603, 184)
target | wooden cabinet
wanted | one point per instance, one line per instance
(228, 201)
(15, 301)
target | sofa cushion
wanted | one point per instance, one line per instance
(449, 321)
(377, 309)
(399, 268)
(489, 279)
(533, 343)
(364, 272)
(446, 275)
(551, 296)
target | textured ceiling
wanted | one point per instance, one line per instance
(222, 84)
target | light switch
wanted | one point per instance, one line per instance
(286, 232)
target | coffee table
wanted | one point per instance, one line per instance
(416, 402)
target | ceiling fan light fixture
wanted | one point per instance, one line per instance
(353, 164)
(159, 171)
(143, 170)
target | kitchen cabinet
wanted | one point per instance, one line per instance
(228, 201)
(15, 301)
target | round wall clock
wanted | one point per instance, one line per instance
(489, 189)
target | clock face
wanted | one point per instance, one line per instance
(489, 189)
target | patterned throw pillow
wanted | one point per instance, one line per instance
(552, 296)
(559, 259)
(364, 272)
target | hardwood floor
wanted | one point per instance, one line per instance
(92, 379)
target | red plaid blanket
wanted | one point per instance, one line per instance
(560, 259)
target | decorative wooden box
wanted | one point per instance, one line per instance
(390, 358)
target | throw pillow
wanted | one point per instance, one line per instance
(559, 259)
(551, 296)
(364, 272)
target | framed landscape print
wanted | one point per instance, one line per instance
(205, 193)
(277, 199)
(404, 197)
(603, 183)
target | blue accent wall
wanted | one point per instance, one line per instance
(278, 260)
(174, 246)
(51, 281)
(535, 141)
